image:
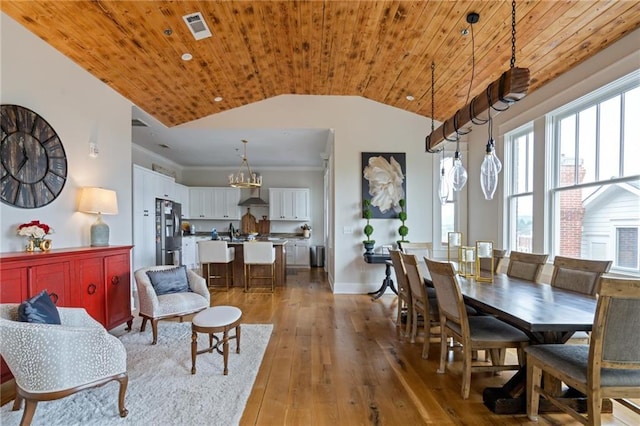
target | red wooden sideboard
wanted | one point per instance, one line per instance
(95, 278)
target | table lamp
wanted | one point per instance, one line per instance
(100, 201)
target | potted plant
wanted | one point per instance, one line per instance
(368, 229)
(403, 230)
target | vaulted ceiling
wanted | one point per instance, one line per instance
(381, 50)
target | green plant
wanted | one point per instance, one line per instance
(368, 229)
(403, 230)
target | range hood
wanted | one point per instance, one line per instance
(254, 199)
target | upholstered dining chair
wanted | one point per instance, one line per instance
(259, 253)
(420, 303)
(498, 256)
(52, 361)
(215, 252)
(526, 266)
(609, 367)
(404, 292)
(164, 292)
(482, 332)
(579, 275)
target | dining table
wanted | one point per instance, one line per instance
(546, 314)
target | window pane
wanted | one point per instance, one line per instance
(587, 144)
(586, 221)
(447, 221)
(522, 169)
(632, 132)
(523, 224)
(609, 139)
(627, 248)
(567, 150)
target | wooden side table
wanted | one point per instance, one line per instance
(387, 281)
(219, 319)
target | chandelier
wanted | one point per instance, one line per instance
(245, 178)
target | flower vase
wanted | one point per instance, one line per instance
(306, 233)
(39, 244)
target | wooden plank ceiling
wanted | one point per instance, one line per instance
(381, 50)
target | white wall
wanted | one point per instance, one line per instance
(485, 221)
(80, 108)
(360, 125)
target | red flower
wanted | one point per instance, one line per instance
(46, 228)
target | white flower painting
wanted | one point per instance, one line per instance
(383, 182)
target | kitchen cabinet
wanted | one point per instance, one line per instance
(189, 251)
(95, 278)
(214, 203)
(182, 197)
(289, 204)
(298, 253)
(144, 215)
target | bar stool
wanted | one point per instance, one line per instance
(213, 252)
(259, 253)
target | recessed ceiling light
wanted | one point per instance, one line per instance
(218, 99)
(187, 56)
(410, 98)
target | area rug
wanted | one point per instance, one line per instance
(162, 390)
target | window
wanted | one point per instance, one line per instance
(595, 184)
(447, 210)
(519, 187)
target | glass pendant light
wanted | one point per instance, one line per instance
(443, 189)
(494, 157)
(458, 174)
(488, 174)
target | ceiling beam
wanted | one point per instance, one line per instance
(512, 86)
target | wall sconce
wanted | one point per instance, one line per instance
(100, 201)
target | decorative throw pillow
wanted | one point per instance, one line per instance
(168, 281)
(39, 309)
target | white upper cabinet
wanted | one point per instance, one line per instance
(214, 203)
(289, 204)
(182, 197)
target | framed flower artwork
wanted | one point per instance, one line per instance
(384, 182)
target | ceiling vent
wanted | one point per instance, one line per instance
(136, 122)
(197, 25)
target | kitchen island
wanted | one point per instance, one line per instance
(238, 264)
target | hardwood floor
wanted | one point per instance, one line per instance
(337, 360)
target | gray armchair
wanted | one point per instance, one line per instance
(52, 361)
(173, 305)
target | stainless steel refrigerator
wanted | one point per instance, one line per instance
(168, 233)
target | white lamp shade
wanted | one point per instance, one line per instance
(98, 200)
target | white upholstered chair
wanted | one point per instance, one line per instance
(213, 252)
(609, 367)
(173, 305)
(259, 253)
(52, 361)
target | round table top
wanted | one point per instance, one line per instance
(217, 316)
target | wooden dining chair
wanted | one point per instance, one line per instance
(404, 292)
(579, 275)
(498, 256)
(526, 266)
(420, 303)
(420, 249)
(482, 332)
(609, 367)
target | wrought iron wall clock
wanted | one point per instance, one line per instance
(33, 162)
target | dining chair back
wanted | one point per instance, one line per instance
(420, 249)
(481, 332)
(579, 275)
(420, 303)
(404, 292)
(259, 253)
(526, 266)
(498, 256)
(214, 254)
(609, 367)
